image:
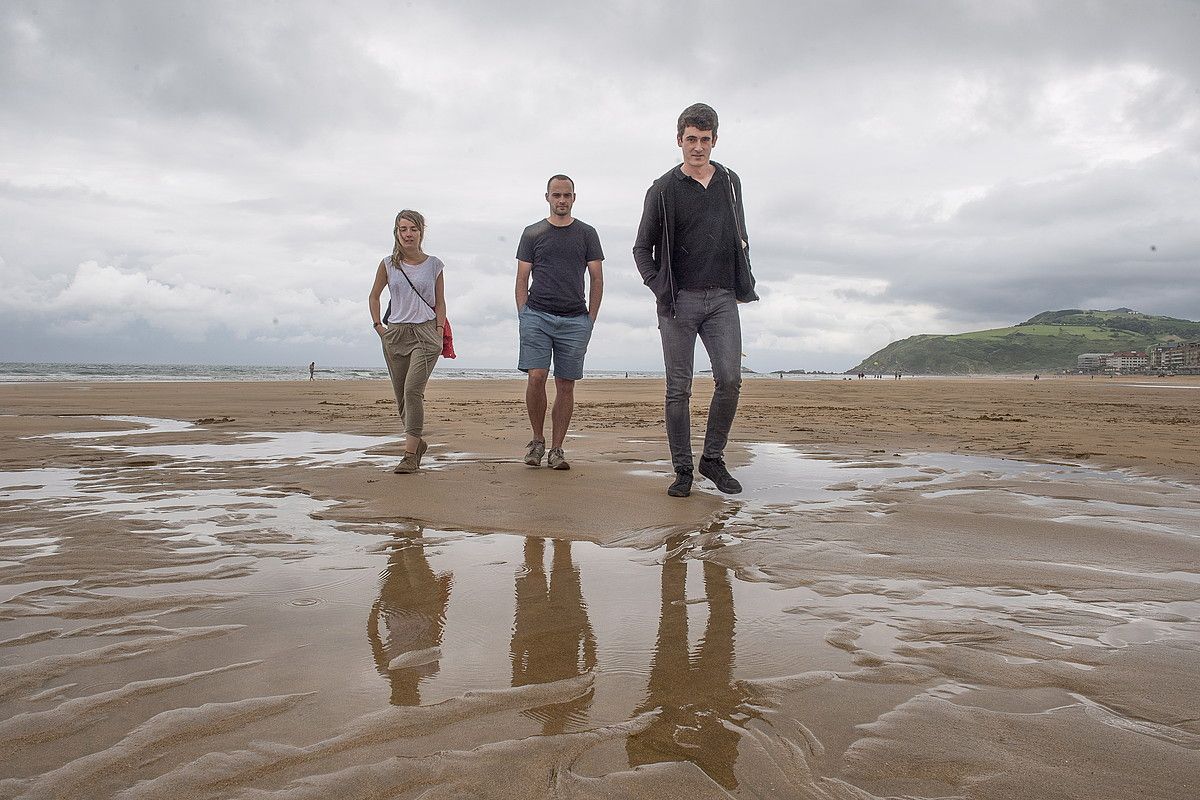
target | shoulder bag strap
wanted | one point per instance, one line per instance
(400, 268)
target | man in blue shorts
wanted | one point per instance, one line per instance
(555, 321)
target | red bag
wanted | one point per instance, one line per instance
(448, 341)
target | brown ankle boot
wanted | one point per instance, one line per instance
(412, 461)
(409, 464)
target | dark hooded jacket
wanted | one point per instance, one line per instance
(652, 248)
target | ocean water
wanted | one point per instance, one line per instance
(34, 372)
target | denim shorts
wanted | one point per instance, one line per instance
(544, 335)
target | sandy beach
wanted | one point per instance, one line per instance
(931, 588)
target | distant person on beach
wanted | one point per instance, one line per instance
(411, 330)
(312, 370)
(554, 318)
(693, 254)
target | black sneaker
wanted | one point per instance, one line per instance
(714, 470)
(682, 487)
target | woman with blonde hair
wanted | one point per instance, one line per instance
(411, 330)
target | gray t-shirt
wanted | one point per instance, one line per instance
(559, 257)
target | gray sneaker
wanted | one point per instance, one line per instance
(534, 452)
(556, 459)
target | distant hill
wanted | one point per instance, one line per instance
(1047, 342)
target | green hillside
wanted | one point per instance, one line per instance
(1047, 342)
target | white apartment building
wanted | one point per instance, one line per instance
(1129, 361)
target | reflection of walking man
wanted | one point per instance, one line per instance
(552, 637)
(692, 252)
(554, 320)
(695, 692)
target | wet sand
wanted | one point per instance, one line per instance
(931, 588)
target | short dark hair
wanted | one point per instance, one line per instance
(699, 116)
(566, 178)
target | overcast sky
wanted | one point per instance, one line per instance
(215, 182)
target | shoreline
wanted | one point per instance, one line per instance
(270, 373)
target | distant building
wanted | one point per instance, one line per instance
(1128, 361)
(1180, 357)
(1191, 355)
(1162, 356)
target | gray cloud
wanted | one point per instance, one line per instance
(284, 70)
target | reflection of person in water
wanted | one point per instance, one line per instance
(552, 638)
(408, 618)
(695, 692)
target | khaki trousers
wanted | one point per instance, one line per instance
(411, 350)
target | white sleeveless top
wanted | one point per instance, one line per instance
(406, 305)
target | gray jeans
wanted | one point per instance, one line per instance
(711, 314)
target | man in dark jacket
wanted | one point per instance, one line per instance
(692, 252)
